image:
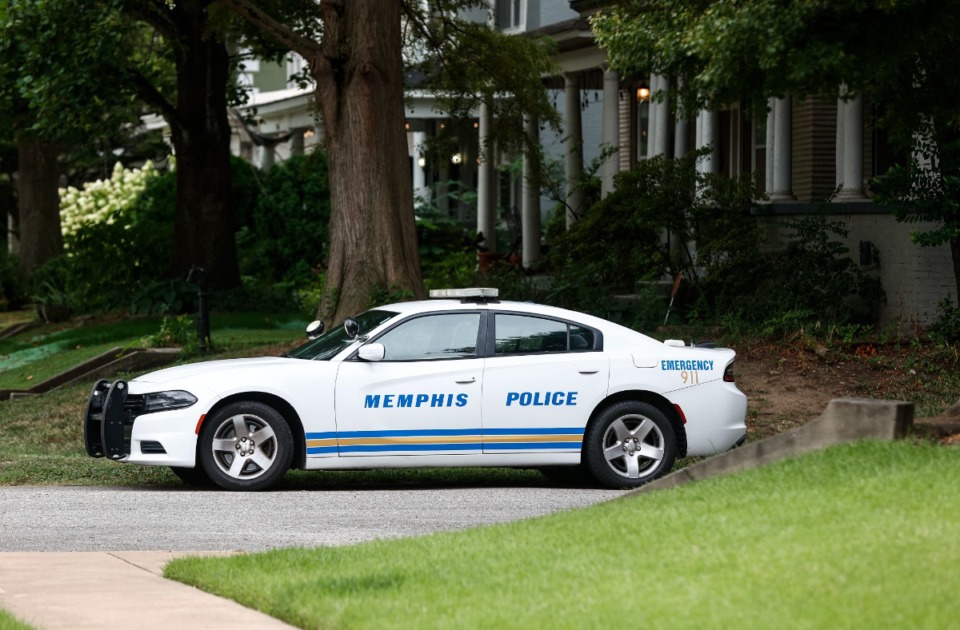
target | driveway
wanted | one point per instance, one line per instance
(128, 519)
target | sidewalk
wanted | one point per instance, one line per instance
(104, 589)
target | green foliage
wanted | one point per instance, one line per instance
(664, 219)
(59, 77)
(468, 63)
(12, 285)
(175, 331)
(947, 326)
(927, 190)
(286, 238)
(117, 236)
(448, 254)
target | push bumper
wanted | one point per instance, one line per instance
(108, 420)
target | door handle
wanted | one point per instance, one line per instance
(467, 380)
(589, 370)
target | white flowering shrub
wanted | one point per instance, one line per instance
(102, 201)
(117, 235)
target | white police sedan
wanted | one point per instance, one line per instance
(465, 380)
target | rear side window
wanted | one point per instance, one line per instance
(521, 334)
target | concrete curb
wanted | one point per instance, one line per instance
(844, 420)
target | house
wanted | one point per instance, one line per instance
(799, 153)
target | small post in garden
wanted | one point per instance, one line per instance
(199, 277)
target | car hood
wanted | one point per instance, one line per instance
(219, 368)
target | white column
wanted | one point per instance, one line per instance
(852, 189)
(420, 188)
(841, 104)
(680, 137)
(611, 129)
(266, 156)
(680, 130)
(13, 243)
(654, 111)
(769, 145)
(707, 135)
(486, 181)
(296, 142)
(782, 150)
(530, 207)
(573, 144)
(661, 135)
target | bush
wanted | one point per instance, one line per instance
(947, 326)
(117, 236)
(664, 219)
(12, 286)
(286, 238)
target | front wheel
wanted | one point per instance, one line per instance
(246, 446)
(192, 477)
(630, 444)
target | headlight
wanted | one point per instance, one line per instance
(165, 401)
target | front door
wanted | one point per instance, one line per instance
(422, 398)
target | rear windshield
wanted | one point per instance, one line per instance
(330, 343)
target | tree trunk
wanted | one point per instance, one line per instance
(359, 75)
(205, 227)
(39, 202)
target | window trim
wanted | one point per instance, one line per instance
(491, 336)
(520, 26)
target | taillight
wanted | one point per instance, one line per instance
(728, 373)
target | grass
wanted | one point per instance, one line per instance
(43, 436)
(860, 535)
(9, 622)
(42, 352)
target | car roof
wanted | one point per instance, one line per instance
(443, 304)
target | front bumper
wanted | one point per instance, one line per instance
(114, 427)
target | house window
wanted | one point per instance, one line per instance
(509, 14)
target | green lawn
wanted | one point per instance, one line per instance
(864, 535)
(39, 353)
(9, 622)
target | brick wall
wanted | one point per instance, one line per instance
(914, 278)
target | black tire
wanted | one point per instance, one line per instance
(193, 477)
(246, 446)
(629, 444)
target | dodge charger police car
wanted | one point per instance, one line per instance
(463, 380)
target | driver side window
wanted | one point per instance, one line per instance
(433, 337)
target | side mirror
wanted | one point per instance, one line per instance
(314, 329)
(352, 327)
(371, 352)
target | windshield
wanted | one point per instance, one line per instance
(330, 343)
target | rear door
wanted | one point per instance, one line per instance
(543, 379)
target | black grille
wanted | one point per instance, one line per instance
(149, 447)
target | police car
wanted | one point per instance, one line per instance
(463, 380)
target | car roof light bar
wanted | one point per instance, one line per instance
(473, 294)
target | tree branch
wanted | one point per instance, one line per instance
(280, 32)
(152, 96)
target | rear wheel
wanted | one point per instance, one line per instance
(569, 476)
(630, 444)
(246, 446)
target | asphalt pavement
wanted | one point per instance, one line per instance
(79, 557)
